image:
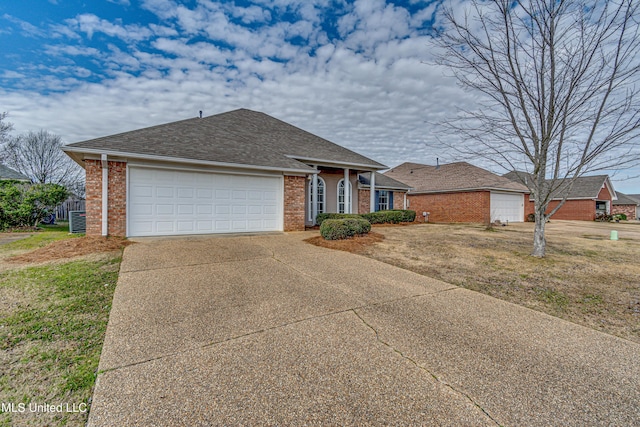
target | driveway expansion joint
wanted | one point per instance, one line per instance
(423, 368)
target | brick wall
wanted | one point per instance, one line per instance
(294, 203)
(117, 213)
(363, 201)
(473, 206)
(117, 201)
(398, 200)
(577, 210)
(93, 186)
(628, 210)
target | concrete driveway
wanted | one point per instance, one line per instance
(269, 330)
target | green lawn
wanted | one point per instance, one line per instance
(52, 324)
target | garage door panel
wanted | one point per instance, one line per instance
(164, 192)
(164, 209)
(507, 207)
(165, 202)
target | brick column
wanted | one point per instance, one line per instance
(117, 201)
(93, 199)
(294, 202)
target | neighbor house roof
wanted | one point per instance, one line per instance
(235, 138)
(382, 182)
(460, 176)
(8, 173)
(626, 199)
(584, 187)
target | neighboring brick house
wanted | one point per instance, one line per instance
(240, 171)
(460, 192)
(586, 197)
(626, 204)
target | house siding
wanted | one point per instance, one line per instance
(294, 202)
(117, 200)
(576, 210)
(472, 206)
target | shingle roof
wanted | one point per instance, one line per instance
(8, 173)
(382, 181)
(584, 187)
(460, 176)
(626, 199)
(240, 137)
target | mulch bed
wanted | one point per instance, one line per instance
(355, 244)
(69, 248)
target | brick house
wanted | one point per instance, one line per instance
(626, 204)
(240, 171)
(587, 197)
(460, 192)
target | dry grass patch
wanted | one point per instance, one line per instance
(70, 248)
(585, 278)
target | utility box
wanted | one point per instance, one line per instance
(77, 221)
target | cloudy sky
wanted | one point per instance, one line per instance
(358, 73)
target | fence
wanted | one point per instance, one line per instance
(62, 211)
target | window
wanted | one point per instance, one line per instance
(341, 200)
(320, 197)
(383, 200)
(601, 207)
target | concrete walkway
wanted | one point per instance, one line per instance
(269, 330)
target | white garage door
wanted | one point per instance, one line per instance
(507, 207)
(170, 202)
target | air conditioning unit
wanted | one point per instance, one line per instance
(77, 221)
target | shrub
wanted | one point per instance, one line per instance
(336, 229)
(23, 205)
(531, 217)
(380, 217)
(620, 216)
(323, 216)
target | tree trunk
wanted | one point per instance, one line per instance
(539, 239)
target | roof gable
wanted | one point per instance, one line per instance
(239, 137)
(584, 187)
(382, 181)
(626, 199)
(460, 176)
(6, 173)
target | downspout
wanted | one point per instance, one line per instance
(105, 195)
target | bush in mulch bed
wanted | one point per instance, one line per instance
(335, 229)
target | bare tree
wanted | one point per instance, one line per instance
(557, 84)
(38, 156)
(5, 127)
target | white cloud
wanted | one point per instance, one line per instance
(370, 91)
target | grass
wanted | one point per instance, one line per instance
(591, 281)
(38, 239)
(53, 319)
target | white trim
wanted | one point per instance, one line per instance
(205, 170)
(125, 155)
(104, 162)
(345, 195)
(372, 192)
(325, 162)
(314, 211)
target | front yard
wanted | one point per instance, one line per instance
(53, 316)
(585, 278)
